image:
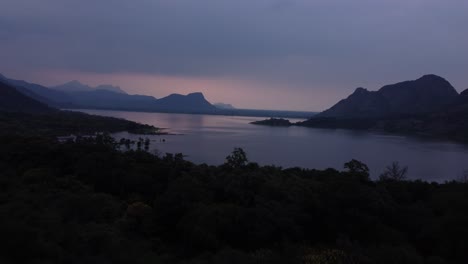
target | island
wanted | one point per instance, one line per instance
(273, 122)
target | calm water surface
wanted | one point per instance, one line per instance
(209, 139)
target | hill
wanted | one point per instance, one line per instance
(22, 114)
(428, 106)
(194, 102)
(427, 94)
(11, 100)
(103, 99)
(43, 94)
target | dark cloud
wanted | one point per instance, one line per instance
(310, 44)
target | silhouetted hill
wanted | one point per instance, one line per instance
(427, 94)
(103, 99)
(11, 100)
(76, 86)
(194, 102)
(361, 103)
(464, 96)
(428, 107)
(273, 122)
(111, 97)
(43, 94)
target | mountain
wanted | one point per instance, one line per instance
(427, 94)
(76, 95)
(11, 100)
(112, 97)
(104, 99)
(76, 86)
(224, 106)
(428, 107)
(361, 103)
(194, 102)
(464, 96)
(41, 93)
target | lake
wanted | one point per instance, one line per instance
(209, 139)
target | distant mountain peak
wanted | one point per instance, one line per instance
(196, 94)
(111, 88)
(361, 90)
(224, 106)
(431, 77)
(190, 102)
(2, 77)
(77, 86)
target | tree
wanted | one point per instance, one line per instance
(394, 172)
(357, 167)
(147, 144)
(464, 177)
(237, 159)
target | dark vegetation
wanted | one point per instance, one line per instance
(63, 123)
(23, 115)
(11, 100)
(87, 202)
(273, 122)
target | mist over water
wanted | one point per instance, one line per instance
(209, 139)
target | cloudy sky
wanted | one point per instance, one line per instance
(271, 54)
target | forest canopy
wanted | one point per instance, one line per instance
(89, 202)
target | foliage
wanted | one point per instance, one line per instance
(237, 159)
(394, 172)
(358, 168)
(88, 202)
(63, 123)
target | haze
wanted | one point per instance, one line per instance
(278, 54)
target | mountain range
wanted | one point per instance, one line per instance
(76, 86)
(77, 95)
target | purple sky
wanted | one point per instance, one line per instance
(273, 54)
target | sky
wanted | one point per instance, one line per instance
(257, 54)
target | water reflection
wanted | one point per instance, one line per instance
(209, 139)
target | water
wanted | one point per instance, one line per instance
(209, 139)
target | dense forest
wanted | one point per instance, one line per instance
(91, 202)
(64, 123)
